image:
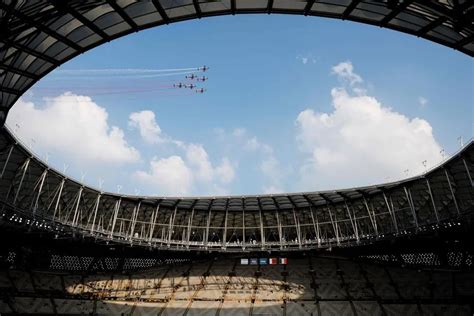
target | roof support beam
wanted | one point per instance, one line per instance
(412, 207)
(269, 6)
(280, 230)
(262, 234)
(297, 221)
(298, 228)
(452, 191)
(61, 187)
(40, 190)
(134, 217)
(432, 200)
(233, 6)
(315, 226)
(349, 9)
(464, 41)
(7, 160)
(372, 217)
(190, 222)
(391, 212)
(63, 6)
(24, 168)
(32, 52)
(468, 172)
(153, 217)
(122, 13)
(9, 90)
(430, 26)
(75, 218)
(161, 11)
(334, 225)
(224, 236)
(96, 208)
(208, 224)
(41, 27)
(197, 8)
(308, 6)
(114, 220)
(315, 222)
(171, 226)
(18, 72)
(401, 6)
(353, 220)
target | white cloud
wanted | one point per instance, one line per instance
(225, 171)
(193, 172)
(423, 101)
(361, 141)
(168, 176)
(145, 122)
(74, 126)
(345, 71)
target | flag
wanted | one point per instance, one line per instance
(263, 261)
(283, 260)
(244, 261)
(273, 261)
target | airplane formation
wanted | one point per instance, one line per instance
(193, 77)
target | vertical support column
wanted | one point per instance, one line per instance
(432, 200)
(280, 232)
(355, 229)
(61, 186)
(390, 211)
(243, 223)
(452, 192)
(154, 216)
(468, 172)
(190, 221)
(171, 226)
(224, 237)
(262, 234)
(136, 210)
(334, 225)
(7, 160)
(24, 167)
(315, 226)
(116, 210)
(412, 207)
(40, 190)
(208, 223)
(96, 208)
(371, 217)
(76, 208)
(297, 225)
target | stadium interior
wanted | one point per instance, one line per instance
(66, 248)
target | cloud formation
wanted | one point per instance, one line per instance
(179, 174)
(345, 71)
(146, 124)
(75, 126)
(361, 141)
(176, 175)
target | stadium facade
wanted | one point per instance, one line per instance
(66, 248)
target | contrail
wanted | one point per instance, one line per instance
(122, 71)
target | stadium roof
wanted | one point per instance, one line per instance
(36, 36)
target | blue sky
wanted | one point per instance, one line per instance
(258, 128)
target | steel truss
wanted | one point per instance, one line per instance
(31, 190)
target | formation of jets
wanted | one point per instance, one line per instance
(193, 76)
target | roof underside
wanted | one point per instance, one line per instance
(36, 36)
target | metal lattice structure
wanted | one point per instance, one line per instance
(36, 36)
(34, 194)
